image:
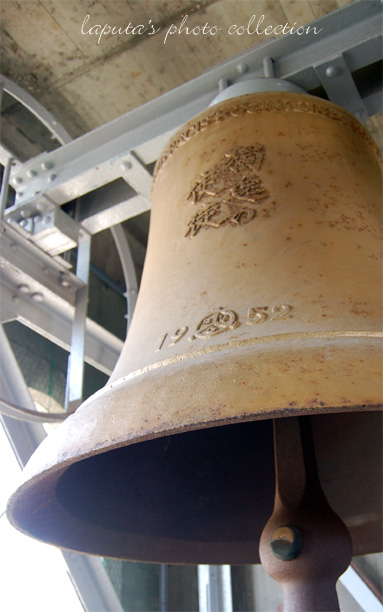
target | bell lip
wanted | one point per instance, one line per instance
(110, 403)
(215, 556)
(82, 434)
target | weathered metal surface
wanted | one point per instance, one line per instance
(304, 546)
(265, 217)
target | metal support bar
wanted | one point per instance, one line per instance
(109, 205)
(128, 269)
(5, 186)
(358, 589)
(136, 175)
(164, 588)
(87, 573)
(92, 582)
(94, 159)
(41, 291)
(214, 588)
(34, 107)
(54, 322)
(337, 80)
(75, 376)
(12, 377)
(24, 266)
(24, 437)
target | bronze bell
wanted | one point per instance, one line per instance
(260, 300)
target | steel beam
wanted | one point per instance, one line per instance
(54, 322)
(41, 292)
(98, 158)
(110, 205)
(29, 270)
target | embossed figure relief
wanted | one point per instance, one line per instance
(216, 322)
(229, 192)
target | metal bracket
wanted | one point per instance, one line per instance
(340, 87)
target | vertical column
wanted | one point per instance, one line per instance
(214, 588)
(75, 377)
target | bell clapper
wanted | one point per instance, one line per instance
(305, 546)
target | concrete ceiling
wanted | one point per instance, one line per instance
(86, 81)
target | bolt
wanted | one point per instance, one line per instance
(268, 67)
(52, 178)
(127, 165)
(40, 206)
(23, 288)
(20, 194)
(37, 218)
(47, 165)
(332, 71)
(18, 180)
(37, 193)
(222, 84)
(286, 543)
(24, 213)
(37, 297)
(31, 173)
(47, 219)
(242, 68)
(64, 279)
(23, 222)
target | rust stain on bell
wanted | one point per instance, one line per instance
(260, 291)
